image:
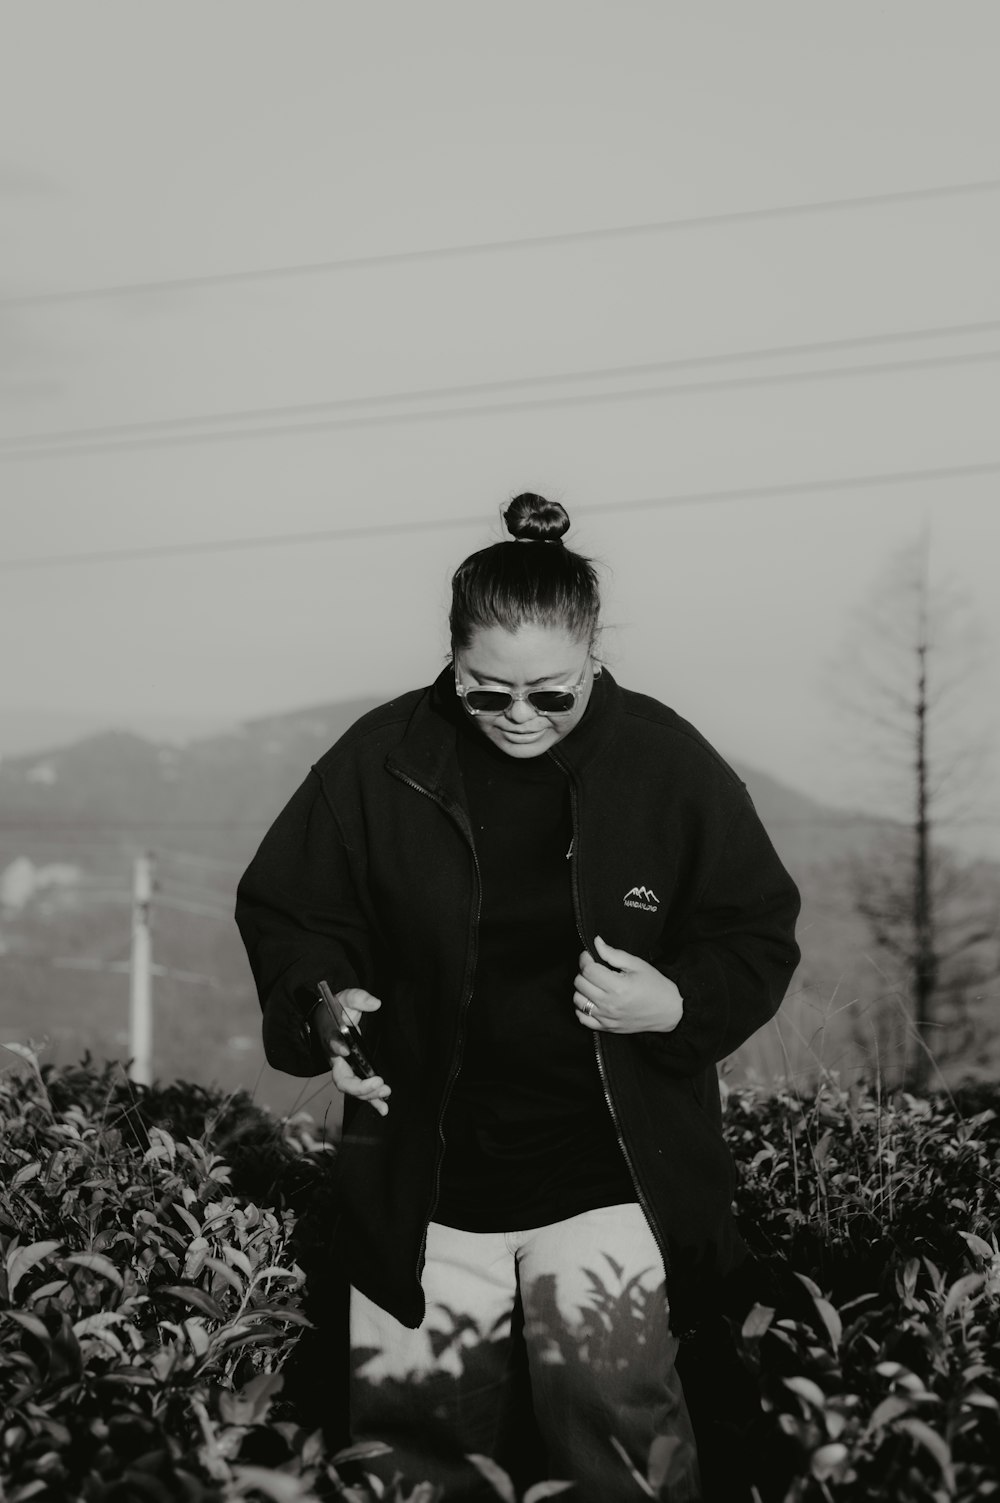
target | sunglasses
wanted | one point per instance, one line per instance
(559, 700)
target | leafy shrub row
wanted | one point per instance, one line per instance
(164, 1335)
(881, 1372)
(147, 1310)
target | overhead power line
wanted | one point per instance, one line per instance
(183, 905)
(141, 828)
(490, 409)
(837, 818)
(120, 967)
(196, 858)
(190, 892)
(875, 480)
(493, 247)
(148, 428)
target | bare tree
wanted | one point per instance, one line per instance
(911, 662)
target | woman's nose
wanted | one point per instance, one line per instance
(521, 712)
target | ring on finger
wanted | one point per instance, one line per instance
(589, 1009)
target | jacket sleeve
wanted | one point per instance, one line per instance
(299, 916)
(734, 955)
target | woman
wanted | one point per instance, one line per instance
(552, 908)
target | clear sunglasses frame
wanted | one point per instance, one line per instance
(528, 695)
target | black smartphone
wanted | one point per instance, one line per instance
(349, 1034)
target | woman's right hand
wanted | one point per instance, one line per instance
(355, 1001)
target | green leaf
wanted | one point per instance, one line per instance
(495, 1476)
(278, 1486)
(30, 1489)
(978, 1246)
(251, 1405)
(276, 1312)
(822, 1149)
(195, 1258)
(193, 1226)
(225, 1273)
(909, 1277)
(890, 1409)
(96, 1263)
(831, 1320)
(961, 1290)
(31, 1323)
(806, 1389)
(757, 1322)
(312, 1449)
(20, 1260)
(546, 1490)
(26, 1053)
(930, 1440)
(96, 1327)
(812, 1288)
(196, 1298)
(194, 1327)
(30, 1171)
(133, 1377)
(275, 1272)
(65, 1357)
(45, 1290)
(826, 1459)
(238, 1259)
(364, 1450)
(225, 1341)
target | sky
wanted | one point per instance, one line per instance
(622, 252)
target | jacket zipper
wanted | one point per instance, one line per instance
(602, 1068)
(463, 1011)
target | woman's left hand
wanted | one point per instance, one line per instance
(624, 994)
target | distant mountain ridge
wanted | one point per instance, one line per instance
(77, 815)
(221, 790)
(238, 779)
(30, 731)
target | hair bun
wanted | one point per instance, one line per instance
(532, 519)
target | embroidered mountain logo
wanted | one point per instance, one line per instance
(642, 897)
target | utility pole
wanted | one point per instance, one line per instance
(140, 1021)
(926, 940)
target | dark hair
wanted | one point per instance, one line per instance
(535, 578)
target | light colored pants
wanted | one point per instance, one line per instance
(548, 1351)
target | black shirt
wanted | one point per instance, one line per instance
(529, 1138)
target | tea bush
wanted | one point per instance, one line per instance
(165, 1330)
(146, 1310)
(876, 1340)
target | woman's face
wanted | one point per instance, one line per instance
(533, 657)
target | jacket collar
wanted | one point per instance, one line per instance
(428, 752)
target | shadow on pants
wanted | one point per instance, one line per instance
(542, 1352)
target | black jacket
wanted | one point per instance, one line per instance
(368, 877)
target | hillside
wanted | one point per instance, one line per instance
(72, 819)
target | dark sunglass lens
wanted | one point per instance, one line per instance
(552, 701)
(492, 700)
